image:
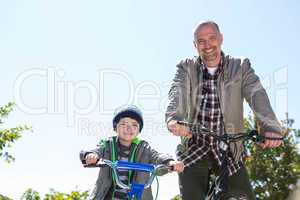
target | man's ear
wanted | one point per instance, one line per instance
(221, 38)
(195, 44)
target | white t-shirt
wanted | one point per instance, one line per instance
(211, 70)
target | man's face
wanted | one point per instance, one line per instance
(208, 43)
(127, 129)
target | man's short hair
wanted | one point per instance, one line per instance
(205, 23)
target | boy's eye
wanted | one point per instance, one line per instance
(127, 124)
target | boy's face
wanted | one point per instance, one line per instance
(127, 129)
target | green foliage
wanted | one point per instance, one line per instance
(274, 172)
(55, 195)
(9, 135)
(30, 194)
(176, 198)
(74, 195)
(4, 197)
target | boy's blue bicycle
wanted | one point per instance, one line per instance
(135, 190)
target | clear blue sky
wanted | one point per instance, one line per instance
(136, 45)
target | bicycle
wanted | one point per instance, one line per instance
(219, 186)
(135, 190)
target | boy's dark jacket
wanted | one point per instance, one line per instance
(144, 154)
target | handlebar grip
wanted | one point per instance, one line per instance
(88, 165)
(94, 165)
(183, 123)
(274, 138)
(82, 157)
(262, 138)
(163, 169)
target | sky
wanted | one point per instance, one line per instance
(68, 64)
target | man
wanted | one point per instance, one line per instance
(209, 90)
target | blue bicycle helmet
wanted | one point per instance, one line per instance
(130, 111)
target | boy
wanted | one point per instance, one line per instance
(128, 123)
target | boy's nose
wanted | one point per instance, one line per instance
(128, 127)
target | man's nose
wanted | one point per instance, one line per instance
(206, 44)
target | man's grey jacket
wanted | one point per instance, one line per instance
(236, 82)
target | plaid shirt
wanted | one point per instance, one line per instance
(210, 112)
(210, 117)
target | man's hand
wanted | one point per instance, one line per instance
(178, 166)
(269, 143)
(91, 158)
(179, 130)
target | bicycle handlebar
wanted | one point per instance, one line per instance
(153, 170)
(251, 135)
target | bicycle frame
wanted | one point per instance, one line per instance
(219, 187)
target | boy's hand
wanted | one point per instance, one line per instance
(178, 166)
(91, 158)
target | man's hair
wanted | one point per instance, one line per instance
(205, 23)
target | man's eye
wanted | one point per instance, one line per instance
(201, 42)
(213, 38)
